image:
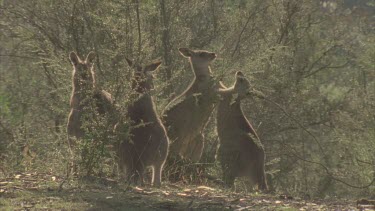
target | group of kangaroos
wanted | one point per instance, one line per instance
(178, 131)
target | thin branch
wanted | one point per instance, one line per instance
(139, 28)
(321, 57)
(294, 119)
(7, 130)
(294, 153)
(309, 125)
(292, 10)
(245, 26)
(326, 67)
(332, 176)
(48, 75)
(18, 56)
(310, 161)
(365, 162)
(51, 37)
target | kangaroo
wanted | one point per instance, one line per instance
(186, 116)
(148, 143)
(240, 152)
(84, 92)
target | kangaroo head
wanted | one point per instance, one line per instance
(142, 76)
(242, 85)
(83, 73)
(198, 58)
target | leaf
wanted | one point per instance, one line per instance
(266, 201)
(165, 193)
(150, 192)
(244, 208)
(138, 189)
(204, 194)
(5, 183)
(205, 188)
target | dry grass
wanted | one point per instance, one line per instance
(40, 191)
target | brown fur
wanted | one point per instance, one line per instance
(148, 142)
(84, 91)
(186, 116)
(241, 153)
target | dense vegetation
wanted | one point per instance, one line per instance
(313, 60)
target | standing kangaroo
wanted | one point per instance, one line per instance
(84, 93)
(148, 143)
(240, 152)
(186, 116)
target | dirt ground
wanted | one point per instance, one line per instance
(43, 191)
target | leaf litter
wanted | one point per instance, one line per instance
(26, 191)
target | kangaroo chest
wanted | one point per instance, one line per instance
(143, 117)
(231, 121)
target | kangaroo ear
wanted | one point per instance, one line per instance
(74, 59)
(90, 57)
(239, 74)
(186, 52)
(222, 85)
(130, 62)
(153, 66)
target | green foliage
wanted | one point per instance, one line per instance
(317, 63)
